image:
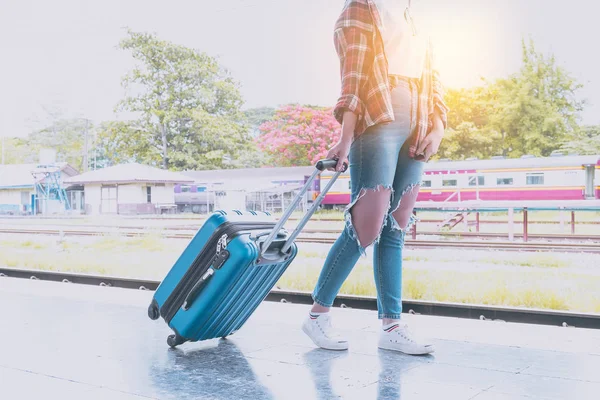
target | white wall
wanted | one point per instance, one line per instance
(132, 194)
(92, 198)
(162, 194)
(128, 194)
(13, 196)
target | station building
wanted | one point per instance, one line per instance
(128, 189)
(27, 189)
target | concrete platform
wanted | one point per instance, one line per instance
(63, 341)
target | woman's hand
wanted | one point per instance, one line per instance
(340, 152)
(431, 143)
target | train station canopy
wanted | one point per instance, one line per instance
(128, 173)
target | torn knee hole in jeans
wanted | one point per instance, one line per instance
(409, 190)
(348, 216)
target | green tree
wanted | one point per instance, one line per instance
(208, 141)
(532, 111)
(536, 109)
(252, 157)
(585, 142)
(124, 141)
(258, 116)
(67, 137)
(188, 105)
(467, 140)
(14, 151)
(468, 134)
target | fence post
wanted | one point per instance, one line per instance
(511, 224)
(525, 224)
(414, 228)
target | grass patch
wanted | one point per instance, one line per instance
(533, 280)
(107, 243)
(416, 258)
(530, 288)
(146, 242)
(544, 260)
(27, 244)
(541, 260)
(33, 245)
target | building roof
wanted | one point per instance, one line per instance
(223, 175)
(129, 173)
(20, 176)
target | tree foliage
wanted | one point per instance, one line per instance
(188, 106)
(125, 141)
(585, 142)
(255, 117)
(65, 136)
(14, 151)
(298, 135)
(532, 111)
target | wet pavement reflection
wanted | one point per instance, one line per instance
(65, 341)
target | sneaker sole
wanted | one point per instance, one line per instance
(341, 348)
(428, 350)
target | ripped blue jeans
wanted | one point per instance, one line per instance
(378, 159)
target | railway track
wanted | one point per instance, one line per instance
(457, 310)
(314, 219)
(420, 243)
(195, 227)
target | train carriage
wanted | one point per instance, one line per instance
(528, 178)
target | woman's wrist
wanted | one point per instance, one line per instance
(347, 136)
(438, 125)
(348, 125)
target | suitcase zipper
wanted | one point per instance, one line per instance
(201, 264)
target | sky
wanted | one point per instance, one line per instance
(61, 56)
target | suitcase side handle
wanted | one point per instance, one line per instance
(191, 296)
(320, 166)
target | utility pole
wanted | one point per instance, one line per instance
(85, 154)
(95, 147)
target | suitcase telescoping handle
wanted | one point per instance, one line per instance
(321, 166)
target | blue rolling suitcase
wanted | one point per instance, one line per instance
(228, 269)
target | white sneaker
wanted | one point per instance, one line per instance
(318, 328)
(397, 337)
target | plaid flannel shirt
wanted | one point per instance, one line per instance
(366, 88)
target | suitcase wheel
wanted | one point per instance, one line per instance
(153, 311)
(175, 340)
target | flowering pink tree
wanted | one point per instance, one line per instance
(299, 135)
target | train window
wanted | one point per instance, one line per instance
(535, 179)
(426, 184)
(504, 181)
(480, 181)
(185, 189)
(449, 182)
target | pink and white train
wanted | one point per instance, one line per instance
(528, 178)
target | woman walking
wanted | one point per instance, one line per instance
(393, 118)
